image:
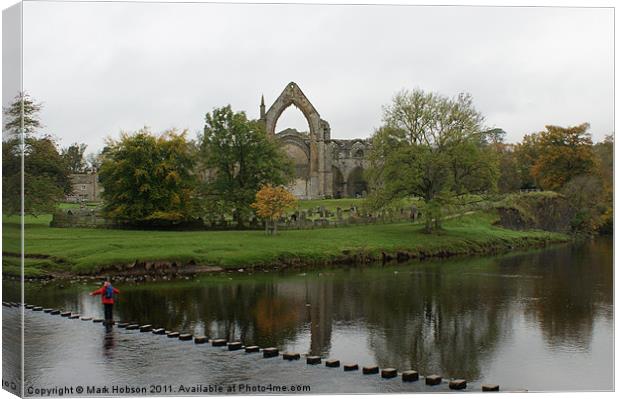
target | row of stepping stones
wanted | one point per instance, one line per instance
(406, 376)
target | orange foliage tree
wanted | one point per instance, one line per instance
(271, 204)
(563, 153)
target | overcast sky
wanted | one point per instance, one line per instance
(100, 68)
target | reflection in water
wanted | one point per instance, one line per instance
(108, 341)
(453, 317)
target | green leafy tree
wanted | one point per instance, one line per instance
(149, 179)
(22, 116)
(431, 147)
(45, 176)
(239, 158)
(46, 181)
(74, 158)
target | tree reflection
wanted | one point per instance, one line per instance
(448, 317)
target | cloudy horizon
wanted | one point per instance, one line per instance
(100, 68)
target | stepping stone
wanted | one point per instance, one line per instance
(47, 310)
(37, 308)
(252, 349)
(458, 384)
(332, 363)
(98, 321)
(313, 359)
(173, 334)
(29, 306)
(185, 337)
(270, 352)
(65, 314)
(291, 356)
(122, 325)
(146, 328)
(132, 326)
(490, 388)
(86, 318)
(55, 312)
(433, 379)
(159, 331)
(75, 316)
(370, 370)
(351, 367)
(389, 373)
(218, 342)
(200, 340)
(234, 346)
(410, 376)
(6, 304)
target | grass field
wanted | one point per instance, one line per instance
(85, 251)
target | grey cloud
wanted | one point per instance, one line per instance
(103, 67)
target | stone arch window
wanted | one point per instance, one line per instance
(356, 183)
(359, 153)
(338, 183)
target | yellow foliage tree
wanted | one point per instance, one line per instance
(271, 204)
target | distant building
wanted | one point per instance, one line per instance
(85, 188)
(324, 167)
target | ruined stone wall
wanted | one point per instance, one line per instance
(86, 217)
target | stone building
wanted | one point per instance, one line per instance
(324, 167)
(85, 188)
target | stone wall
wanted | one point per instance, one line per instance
(318, 217)
(85, 217)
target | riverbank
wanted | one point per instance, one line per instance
(68, 252)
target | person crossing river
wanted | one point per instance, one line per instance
(107, 292)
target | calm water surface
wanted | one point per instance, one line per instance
(540, 320)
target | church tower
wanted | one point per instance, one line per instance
(262, 107)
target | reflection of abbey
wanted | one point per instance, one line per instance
(325, 167)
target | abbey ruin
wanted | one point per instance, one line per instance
(324, 167)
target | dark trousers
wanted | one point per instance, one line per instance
(107, 311)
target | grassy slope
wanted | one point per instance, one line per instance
(85, 250)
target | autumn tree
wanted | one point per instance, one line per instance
(239, 158)
(526, 154)
(149, 179)
(604, 168)
(562, 154)
(271, 204)
(432, 147)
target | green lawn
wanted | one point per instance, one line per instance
(86, 250)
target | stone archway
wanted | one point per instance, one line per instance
(299, 152)
(338, 185)
(356, 184)
(319, 178)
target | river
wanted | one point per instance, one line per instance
(537, 320)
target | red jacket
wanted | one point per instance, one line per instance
(104, 300)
